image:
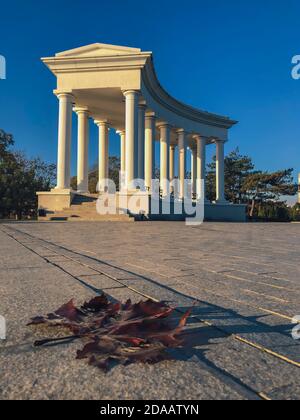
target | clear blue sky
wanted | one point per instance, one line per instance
(231, 57)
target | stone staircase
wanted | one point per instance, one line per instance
(83, 209)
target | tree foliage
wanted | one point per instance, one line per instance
(295, 212)
(6, 141)
(264, 187)
(236, 168)
(20, 179)
(114, 166)
(261, 191)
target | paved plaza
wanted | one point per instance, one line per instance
(245, 279)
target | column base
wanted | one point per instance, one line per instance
(206, 201)
(82, 192)
(58, 190)
(134, 202)
(55, 200)
(222, 202)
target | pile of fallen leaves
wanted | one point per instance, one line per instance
(116, 333)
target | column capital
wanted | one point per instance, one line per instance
(180, 131)
(81, 110)
(64, 95)
(121, 132)
(150, 116)
(131, 92)
(198, 137)
(142, 105)
(220, 141)
(164, 124)
(101, 123)
(201, 139)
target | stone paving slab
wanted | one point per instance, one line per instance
(239, 343)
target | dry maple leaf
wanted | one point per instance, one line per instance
(117, 333)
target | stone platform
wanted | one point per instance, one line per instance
(71, 206)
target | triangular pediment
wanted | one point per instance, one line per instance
(98, 50)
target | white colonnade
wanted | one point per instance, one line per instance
(137, 149)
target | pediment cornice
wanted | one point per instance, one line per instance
(102, 57)
(98, 50)
(78, 64)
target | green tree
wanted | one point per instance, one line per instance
(114, 170)
(20, 179)
(6, 141)
(295, 212)
(273, 211)
(236, 169)
(210, 182)
(260, 187)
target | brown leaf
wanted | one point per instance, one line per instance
(37, 320)
(69, 311)
(117, 334)
(96, 304)
(148, 308)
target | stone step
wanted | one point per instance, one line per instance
(83, 212)
(93, 212)
(96, 217)
(82, 209)
(85, 198)
(83, 206)
(84, 203)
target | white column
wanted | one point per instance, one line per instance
(107, 154)
(201, 166)
(64, 141)
(165, 132)
(172, 162)
(220, 186)
(131, 124)
(181, 161)
(298, 189)
(82, 150)
(194, 169)
(149, 150)
(141, 142)
(103, 153)
(122, 176)
(122, 150)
